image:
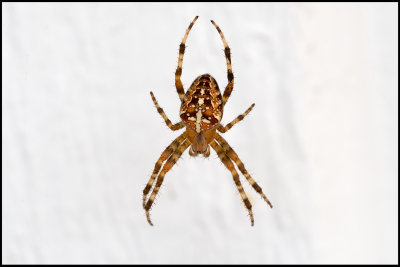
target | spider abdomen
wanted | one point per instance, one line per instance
(202, 108)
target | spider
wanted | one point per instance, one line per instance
(200, 112)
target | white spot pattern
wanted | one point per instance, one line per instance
(198, 120)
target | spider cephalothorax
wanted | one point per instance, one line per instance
(201, 113)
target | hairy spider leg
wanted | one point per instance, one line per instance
(223, 129)
(233, 156)
(229, 87)
(164, 156)
(173, 127)
(229, 165)
(167, 166)
(178, 73)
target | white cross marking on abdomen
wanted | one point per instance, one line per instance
(198, 120)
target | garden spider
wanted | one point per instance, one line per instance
(201, 112)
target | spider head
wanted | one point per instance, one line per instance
(199, 146)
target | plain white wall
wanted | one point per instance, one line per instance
(81, 134)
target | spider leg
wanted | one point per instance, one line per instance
(223, 129)
(164, 156)
(233, 156)
(167, 166)
(229, 87)
(229, 165)
(173, 127)
(178, 73)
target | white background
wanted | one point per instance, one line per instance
(81, 134)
